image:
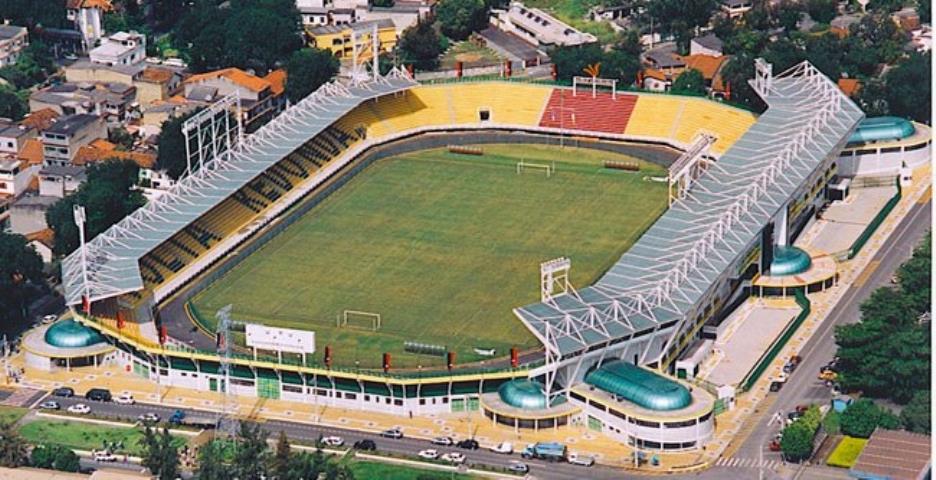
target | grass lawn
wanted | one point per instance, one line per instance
(386, 471)
(11, 414)
(470, 54)
(846, 452)
(443, 246)
(84, 436)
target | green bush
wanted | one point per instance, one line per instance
(862, 417)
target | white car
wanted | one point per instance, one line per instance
(429, 454)
(444, 441)
(104, 457)
(583, 460)
(79, 408)
(148, 417)
(125, 399)
(504, 447)
(454, 457)
(49, 319)
(333, 441)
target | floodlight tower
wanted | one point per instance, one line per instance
(227, 424)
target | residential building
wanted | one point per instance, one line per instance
(27, 213)
(849, 86)
(88, 16)
(403, 14)
(538, 27)
(260, 98)
(43, 241)
(111, 101)
(101, 150)
(13, 137)
(88, 71)
(13, 40)
(708, 44)
(907, 19)
(58, 181)
(15, 176)
(40, 119)
(156, 83)
(121, 48)
(664, 67)
(736, 8)
(158, 112)
(62, 140)
(340, 39)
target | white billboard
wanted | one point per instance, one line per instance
(280, 339)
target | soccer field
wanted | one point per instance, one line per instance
(443, 246)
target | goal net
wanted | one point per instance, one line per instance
(543, 167)
(359, 319)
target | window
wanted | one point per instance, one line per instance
(422, 401)
(686, 423)
(350, 396)
(484, 115)
(398, 402)
(292, 388)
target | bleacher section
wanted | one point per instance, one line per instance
(245, 205)
(682, 118)
(599, 113)
(659, 117)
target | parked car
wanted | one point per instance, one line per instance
(365, 445)
(776, 386)
(50, 405)
(80, 409)
(125, 399)
(49, 319)
(332, 441)
(774, 445)
(517, 466)
(104, 457)
(392, 433)
(828, 375)
(468, 444)
(582, 460)
(99, 395)
(503, 447)
(429, 454)
(65, 392)
(148, 417)
(454, 457)
(444, 441)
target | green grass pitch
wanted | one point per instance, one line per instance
(443, 246)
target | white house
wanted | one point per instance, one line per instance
(121, 48)
(538, 27)
(15, 176)
(13, 40)
(88, 16)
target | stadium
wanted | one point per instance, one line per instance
(539, 253)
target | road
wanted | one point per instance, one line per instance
(803, 387)
(309, 433)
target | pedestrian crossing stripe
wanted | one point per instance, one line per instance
(735, 462)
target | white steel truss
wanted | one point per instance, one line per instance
(688, 167)
(111, 265)
(663, 277)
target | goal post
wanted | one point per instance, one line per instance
(359, 319)
(522, 165)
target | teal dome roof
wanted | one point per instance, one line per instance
(640, 386)
(882, 128)
(789, 260)
(71, 334)
(523, 393)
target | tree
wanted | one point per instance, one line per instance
(458, 18)
(789, 15)
(30, 13)
(170, 156)
(681, 18)
(690, 81)
(571, 61)
(108, 196)
(305, 465)
(280, 464)
(797, 442)
(925, 8)
(121, 137)
(863, 416)
(14, 452)
(160, 456)
(250, 459)
(55, 457)
(20, 272)
(383, 3)
(909, 88)
(11, 105)
(736, 74)
(211, 464)
(420, 46)
(915, 278)
(822, 11)
(307, 70)
(916, 416)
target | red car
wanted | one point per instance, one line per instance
(774, 446)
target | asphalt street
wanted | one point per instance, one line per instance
(803, 386)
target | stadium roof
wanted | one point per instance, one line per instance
(113, 256)
(658, 281)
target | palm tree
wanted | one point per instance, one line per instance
(14, 451)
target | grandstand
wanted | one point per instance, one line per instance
(644, 310)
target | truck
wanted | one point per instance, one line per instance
(206, 421)
(549, 451)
